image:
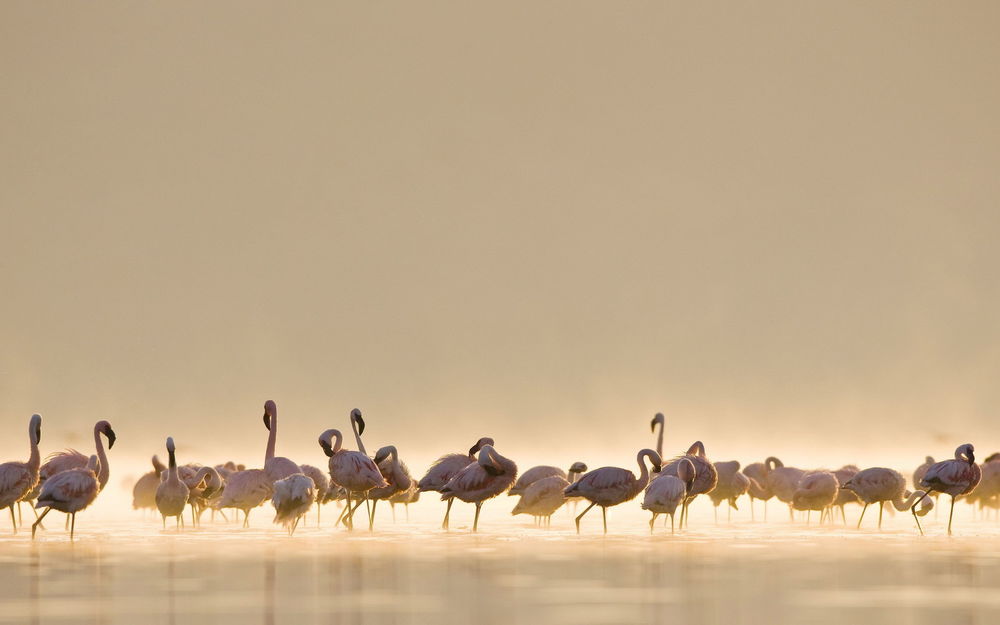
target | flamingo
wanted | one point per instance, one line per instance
(406, 497)
(659, 420)
(845, 496)
(293, 496)
(202, 483)
(396, 475)
(664, 494)
(71, 459)
(447, 467)
(542, 498)
(816, 491)
(532, 475)
(783, 481)
(144, 491)
(918, 474)
(954, 477)
(353, 470)
(69, 491)
(17, 479)
(321, 482)
(879, 485)
(731, 486)
(989, 487)
(245, 490)
(756, 472)
(705, 479)
(484, 479)
(610, 486)
(276, 467)
(172, 493)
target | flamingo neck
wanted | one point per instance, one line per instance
(659, 441)
(35, 459)
(105, 472)
(357, 437)
(271, 437)
(904, 506)
(172, 470)
(643, 469)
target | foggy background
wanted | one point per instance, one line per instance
(542, 222)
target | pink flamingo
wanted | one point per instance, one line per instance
(542, 498)
(705, 479)
(172, 493)
(321, 482)
(610, 486)
(17, 479)
(293, 496)
(816, 491)
(276, 467)
(664, 494)
(395, 474)
(69, 491)
(658, 420)
(783, 481)
(484, 479)
(879, 485)
(447, 467)
(71, 459)
(353, 470)
(845, 496)
(731, 486)
(756, 472)
(144, 491)
(954, 477)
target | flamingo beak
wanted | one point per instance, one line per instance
(652, 425)
(327, 448)
(361, 425)
(657, 467)
(267, 421)
(380, 456)
(38, 433)
(111, 437)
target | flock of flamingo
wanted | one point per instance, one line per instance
(69, 482)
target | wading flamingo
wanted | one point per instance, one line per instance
(783, 481)
(664, 494)
(954, 477)
(71, 459)
(756, 472)
(817, 490)
(18, 479)
(845, 496)
(395, 474)
(542, 498)
(293, 496)
(353, 470)
(203, 483)
(172, 493)
(484, 479)
(276, 467)
(410, 495)
(70, 492)
(447, 467)
(321, 482)
(731, 486)
(879, 485)
(705, 479)
(610, 486)
(144, 491)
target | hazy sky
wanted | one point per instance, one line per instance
(776, 222)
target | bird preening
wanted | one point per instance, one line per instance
(69, 481)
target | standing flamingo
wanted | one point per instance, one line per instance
(293, 496)
(844, 495)
(71, 459)
(202, 483)
(731, 486)
(69, 491)
(395, 474)
(17, 479)
(410, 495)
(245, 490)
(756, 472)
(705, 479)
(954, 477)
(783, 481)
(484, 479)
(321, 482)
(610, 486)
(447, 467)
(542, 498)
(664, 494)
(816, 491)
(276, 467)
(144, 491)
(172, 493)
(879, 485)
(353, 470)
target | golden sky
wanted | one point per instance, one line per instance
(776, 222)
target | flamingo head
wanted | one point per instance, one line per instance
(966, 452)
(578, 467)
(992, 457)
(270, 410)
(488, 463)
(659, 418)
(483, 442)
(697, 448)
(35, 428)
(326, 442)
(773, 463)
(356, 418)
(170, 444)
(105, 428)
(384, 453)
(686, 473)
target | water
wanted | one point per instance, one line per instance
(130, 571)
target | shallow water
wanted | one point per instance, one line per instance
(131, 571)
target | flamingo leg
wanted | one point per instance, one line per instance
(393, 506)
(671, 523)
(716, 511)
(861, 518)
(72, 525)
(951, 514)
(447, 513)
(881, 505)
(407, 506)
(475, 523)
(913, 509)
(164, 521)
(345, 513)
(34, 526)
(604, 515)
(66, 527)
(371, 519)
(246, 518)
(765, 510)
(340, 517)
(651, 521)
(13, 521)
(752, 517)
(581, 516)
(20, 519)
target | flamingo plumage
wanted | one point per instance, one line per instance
(665, 493)
(954, 477)
(18, 479)
(491, 475)
(879, 485)
(610, 486)
(69, 491)
(447, 467)
(144, 491)
(293, 496)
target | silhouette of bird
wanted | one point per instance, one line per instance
(276, 467)
(491, 475)
(610, 486)
(18, 479)
(353, 470)
(395, 474)
(730, 486)
(954, 477)
(172, 493)
(144, 491)
(705, 479)
(664, 494)
(542, 498)
(783, 481)
(445, 468)
(817, 490)
(293, 496)
(879, 485)
(69, 491)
